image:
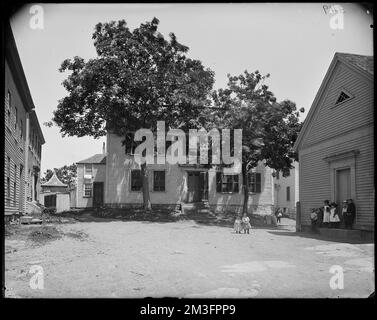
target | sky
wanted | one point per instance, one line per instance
(294, 43)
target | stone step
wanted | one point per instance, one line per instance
(344, 234)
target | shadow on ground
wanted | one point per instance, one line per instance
(205, 217)
(317, 236)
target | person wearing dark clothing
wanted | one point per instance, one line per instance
(350, 214)
(314, 220)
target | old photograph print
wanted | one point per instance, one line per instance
(189, 151)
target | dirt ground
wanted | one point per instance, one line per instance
(122, 259)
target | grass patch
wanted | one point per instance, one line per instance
(44, 234)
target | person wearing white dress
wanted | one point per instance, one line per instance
(334, 216)
(326, 213)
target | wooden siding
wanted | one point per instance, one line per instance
(331, 120)
(99, 175)
(315, 177)
(18, 149)
(14, 146)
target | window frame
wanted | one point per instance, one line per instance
(85, 190)
(254, 181)
(161, 188)
(342, 90)
(132, 184)
(87, 165)
(288, 193)
(235, 183)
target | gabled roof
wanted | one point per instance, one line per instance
(97, 158)
(54, 182)
(362, 64)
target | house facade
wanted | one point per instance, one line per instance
(336, 145)
(23, 137)
(169, 185)
(91, 178)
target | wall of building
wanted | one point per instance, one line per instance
(335, 130)
(315, 175)
(280, 185)
(14, 147)
(98, 175)
(118, 187)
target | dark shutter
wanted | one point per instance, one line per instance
(235, 183)
(258, 179)
(218, 181)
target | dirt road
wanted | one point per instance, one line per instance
(185, 259)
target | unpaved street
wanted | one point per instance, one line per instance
(185, 259)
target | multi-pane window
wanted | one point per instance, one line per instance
(226, 183)
(136, 180)
(8, 191)
(8, 108)
(159, 181)
(15, 119)
(87, 190)
(88, 169)
(288, 193)
(8, 166)
(254, 181)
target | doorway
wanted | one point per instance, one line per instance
(343, 185)
(97, 194)
(197, 186)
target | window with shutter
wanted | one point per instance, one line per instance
(159, 181)
(136, 180)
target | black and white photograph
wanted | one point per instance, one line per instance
(188, 150)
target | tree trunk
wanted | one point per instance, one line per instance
(145, 186)
(245, 187)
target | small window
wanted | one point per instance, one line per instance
(136, 180)
(277, 175)
(288, 193)
(226, 183)
(254, 180)
(342, 97)
(87, 190)
(8, 166)
(159, 181)
(88, 169)
(15, 119)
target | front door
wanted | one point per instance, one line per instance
(343, 185)
(97, 194)
(193, 186)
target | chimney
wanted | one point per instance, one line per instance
(104, 148)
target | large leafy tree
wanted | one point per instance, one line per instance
(137, 78)
(66, 174)
(269, 128)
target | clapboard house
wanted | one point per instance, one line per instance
(113, 179)
(23, 137)
(336, 144)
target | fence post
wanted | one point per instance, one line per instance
(298, 216)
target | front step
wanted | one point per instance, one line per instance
(195, 207)
(346, 234)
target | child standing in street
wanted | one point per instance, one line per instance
(238, 224)
(246, 223)
(314, 219)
